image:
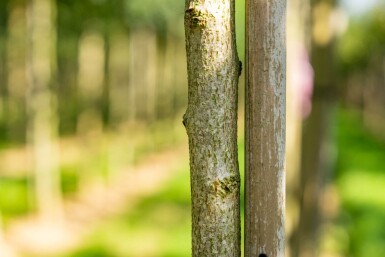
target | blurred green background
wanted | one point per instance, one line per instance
(93, 154)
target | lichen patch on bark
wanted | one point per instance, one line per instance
(197, 17)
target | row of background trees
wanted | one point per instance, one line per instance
(86, 71)
(97, 33)
(91, 69)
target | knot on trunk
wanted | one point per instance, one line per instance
(226, 186)
(196, 17)
(184, 120)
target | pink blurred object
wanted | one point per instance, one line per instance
(303, 78)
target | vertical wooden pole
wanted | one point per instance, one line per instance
(265, 128)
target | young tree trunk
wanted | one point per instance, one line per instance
(317, 154)
(211, 123)
(14, 113)
(90, 93)
(265, 128)
(298, 93)
(41, 106)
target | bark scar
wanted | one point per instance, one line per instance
(226, 186)
(197, 18)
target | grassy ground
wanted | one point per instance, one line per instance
(360, 180)
(159, 225)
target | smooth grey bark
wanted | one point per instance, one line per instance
(265, 128)
(211, 123)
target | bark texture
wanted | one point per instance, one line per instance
(265, 128)
(211, 123)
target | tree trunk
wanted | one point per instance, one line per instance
(14, 113)
(265, 128)
(41, 105)
(298, 86)
(90, 89)
(118, 79)
(317, 158)
(4, 8)
(211, 123)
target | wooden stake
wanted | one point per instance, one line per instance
(265, 128)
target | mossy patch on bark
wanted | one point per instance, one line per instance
(226, 186)
(197, 18)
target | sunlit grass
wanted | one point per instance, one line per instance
(360, 188)
(14, 197)
(361, 182)
(158, 226)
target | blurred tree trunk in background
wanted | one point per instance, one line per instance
(41, 105)
(15, 115)
(105, 101)
(143, 74)
(171, 95)
(173, 74)
(119, 98)
(134, 81)
(317, 152)
(67, 74)
(374, 95)
(150, 74)
(180, 78)
(90, 80)
(298, 69)
(119, 67)
(3, 62)
(167, 57)
(211, 124)
(91, 77)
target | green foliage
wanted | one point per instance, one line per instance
(240, 28)
(69, 179)
(159, 225)
(14, 196)
(3, 21)
(360, 181)
(94, 251)
(162, 15)
(363, 41)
